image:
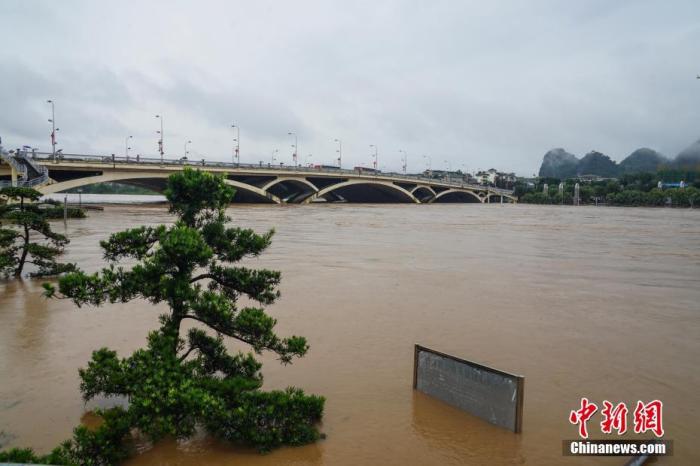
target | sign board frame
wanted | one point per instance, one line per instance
(518, 379)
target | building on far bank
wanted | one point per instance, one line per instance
(493, 177)
(456, 175)
(592, 178)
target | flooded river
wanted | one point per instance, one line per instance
(596, 302)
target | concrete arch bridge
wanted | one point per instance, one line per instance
(261, 183)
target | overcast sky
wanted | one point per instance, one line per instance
(478, 84)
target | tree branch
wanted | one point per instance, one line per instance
(220, 330)
(203, 276)
(184, 356)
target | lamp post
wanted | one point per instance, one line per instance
(160, 141)
(187, 142)
(376, 156)
(404, 160)
(237, 149)
(430, 165)
(465, 173)
(296, 146)
(126, 147)
(340, 153)
(274, 152)
(449, 169)
(53, 129)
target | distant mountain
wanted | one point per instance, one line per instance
(596, 163)
(689, 157)
(641, 161)
(557, 163)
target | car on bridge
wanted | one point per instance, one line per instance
(361, 170)
(326, 167)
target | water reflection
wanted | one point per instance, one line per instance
(460, 436)
(202, 449)
(31, 333)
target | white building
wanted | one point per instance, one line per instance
(487, 177)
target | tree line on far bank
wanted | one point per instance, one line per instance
(638, 189)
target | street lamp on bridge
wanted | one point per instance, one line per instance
(160, 141)
(126, 147)
(53, 129)
(274, 153)
(449, 170)
(237, 149)
(404, 160)
(376, 156)
(430, 165)
(187, 142)
(295, 146)
(340, 153)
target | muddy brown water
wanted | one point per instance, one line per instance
(596, 302)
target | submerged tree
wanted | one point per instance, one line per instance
(178, 383)
(27, 218)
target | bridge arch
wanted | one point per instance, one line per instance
(423, 193)
(282, 179)
(457, 195)
(254, 190)
(301, 188)
(139, 179)
(398, 193)
(496, 197)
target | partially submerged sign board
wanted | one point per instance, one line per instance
(488, 393)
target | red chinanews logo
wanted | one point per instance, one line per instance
(646, 417)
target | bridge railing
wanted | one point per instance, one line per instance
(24, 182)
(115, 160)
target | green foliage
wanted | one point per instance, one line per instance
(104, 446)
(179, 383)
(270, 419)
(25, 216)
(20, 455)
(686, 197)
(536, 198)
(57, 212)
(197, 196)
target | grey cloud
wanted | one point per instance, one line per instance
(478, 84)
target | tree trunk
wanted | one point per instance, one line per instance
(25, 249)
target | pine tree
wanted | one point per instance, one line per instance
(23, 217)
(181, 382)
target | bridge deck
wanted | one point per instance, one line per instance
(264, 182)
